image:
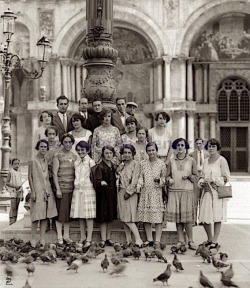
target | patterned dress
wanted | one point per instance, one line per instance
(127, 179)
(180, 207)
(43, 207)
(66, 178)
(211, 207)
(151, 207)
(127, 140)
(104, 136)
(84, 198)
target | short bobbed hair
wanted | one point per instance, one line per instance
(142, 128)
(51, 127)
(15, 159)
(47, 112)
(131, 119)
(77, 116)
(108, 147)
(176, 141)
(42, 141)
(130, 147)
(83, 144)
(213, 141)
(67, 135)
(151, 144)
(164, 115)
(104, 112)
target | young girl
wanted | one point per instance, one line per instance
(83, 204)
(14, 186)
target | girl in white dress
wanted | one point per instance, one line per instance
(83, 204)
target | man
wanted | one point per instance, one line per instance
(199, 155)
(131, 107)
(93, 120)
(61, 118)
(83, 110)
(120, 115)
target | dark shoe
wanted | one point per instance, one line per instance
(148, 243)
(109, 242)
(191, 245)
(102, 244)
(208, 243)
(213, 245)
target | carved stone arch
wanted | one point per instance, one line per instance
(207, 13)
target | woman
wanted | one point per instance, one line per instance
(105, 134)
(46, 118)
(181, 175)
(151, 181)
(106, 194)
(79, 133)
(64, 176)
(215, 173)
(140, 145)
(127, 177)
(43, 205)
(161, 135)
(131, 126)
(83, 204)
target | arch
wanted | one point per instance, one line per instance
(123, 17)
(204, 15)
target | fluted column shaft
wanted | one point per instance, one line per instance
(190, 130)
(182, 61)
(73, 82)
(202, 126)
(190, 79)
(167, 78)
(212, 118)
(205, 73)
(78, 82)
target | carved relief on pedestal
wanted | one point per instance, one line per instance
(46, 23)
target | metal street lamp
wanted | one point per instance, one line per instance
(8, 62)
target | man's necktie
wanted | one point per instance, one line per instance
(201, 160)
(64, 122)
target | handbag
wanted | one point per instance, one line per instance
(225, 191)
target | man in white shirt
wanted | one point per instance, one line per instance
(120, 115)
(83, 107)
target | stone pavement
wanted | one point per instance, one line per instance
(234, 240)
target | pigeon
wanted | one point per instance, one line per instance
(30, 268)
(8, 270)
(136, 252)
(84, 259)
(205, 253)
(127, 252)
(118, 269)
(115, 260)
(27, 285)
(163, 277)
(223, 256)
(227, 281)
(218, 264)
(105, 263)
(147, 254)
(117, 246)
(159, 255)
(177, 263)
(70, 258)
(214, 251)
(27, 259)
(204, 281)
(229, 273)
(75, 265)
(45, 258)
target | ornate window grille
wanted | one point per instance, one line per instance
(233, 100)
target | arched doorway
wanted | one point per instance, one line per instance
(233, 118)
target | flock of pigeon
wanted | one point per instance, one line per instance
(15, 250)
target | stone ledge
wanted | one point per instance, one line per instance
(17, 230)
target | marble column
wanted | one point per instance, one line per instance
(182, 124)
(190, 130)
(151, 82)
(73, 82)
(57, 79)
(78, 82)
(65, 77)
(202, 126)
(198, 83)
(212, 119)
(190, 79)
(158, 78)
(69, 82)
(167, 78)
(205, 83)
(182, 61)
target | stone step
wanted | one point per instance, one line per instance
(17, 230)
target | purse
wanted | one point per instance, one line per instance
(225, 191)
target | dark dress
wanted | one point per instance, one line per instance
(106, 196)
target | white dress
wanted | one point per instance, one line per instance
(84, 196)
(211, 207)
(163, 141)
(84, 137)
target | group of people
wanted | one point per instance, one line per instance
(101, 165)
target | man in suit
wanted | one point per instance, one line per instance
(94, 119)
(61, 118)
(120, 115)
(199, 155)
(83, 110)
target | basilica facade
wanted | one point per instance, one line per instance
(188, 58)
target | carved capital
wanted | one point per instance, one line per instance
(182, 59)
(157, 62)
(65, 62)
(190, 60)
(167, 59)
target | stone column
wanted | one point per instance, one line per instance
(182, 124)
(84, 75)
(65, 77)
(212, 119)
(159, 78)
(190, 79)
(182, 61)
(198, 83)
(202, 126)
(73, 82)
(58, 79)
(69, 82)
(190, 130)
(167, 78)
(205, 83)
(151, 82)
(78, 82)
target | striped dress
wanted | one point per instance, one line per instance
(84, 198)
